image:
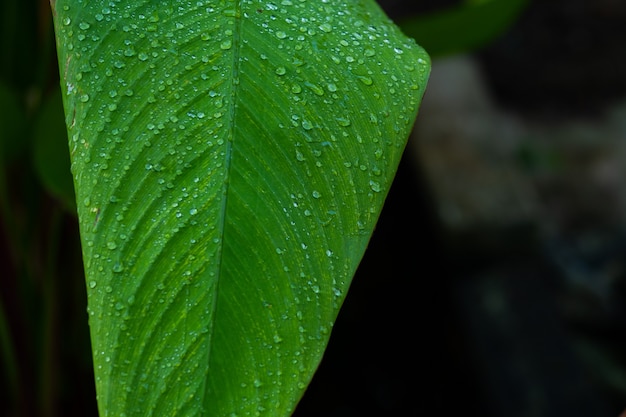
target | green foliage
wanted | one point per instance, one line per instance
(11, 124)
(230, 161)
(472, 24)
(50, 152)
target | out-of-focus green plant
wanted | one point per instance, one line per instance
(463, 28)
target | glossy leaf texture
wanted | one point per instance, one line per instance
(230, 160)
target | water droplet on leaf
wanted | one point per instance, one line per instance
(365, 80)
(326, 27)
(342, 121)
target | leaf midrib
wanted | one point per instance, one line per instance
(232, 111)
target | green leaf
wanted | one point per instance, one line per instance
(230, 160)
(50, 152)
(12, 122)
(463, 28)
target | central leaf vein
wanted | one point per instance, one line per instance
(232, 113)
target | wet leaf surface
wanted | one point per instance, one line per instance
(230, 161)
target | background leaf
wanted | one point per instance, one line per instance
(463, 28)
(12, 121)
(50, 152)
(230, 160)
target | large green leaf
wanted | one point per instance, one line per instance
(230, 160)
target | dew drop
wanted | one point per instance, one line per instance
(281, 35)
(84, 25)
(227, 44)
(67, 21)
(342, 121)
(315, 88)
(111, 245)
(365, 80)
(281, 71)
(375, 186)
(84, 98)
(326, 27)
(92, 284)
(316, 194)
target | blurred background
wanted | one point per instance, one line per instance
(495, 282)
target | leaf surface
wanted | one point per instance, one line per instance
(230, 159)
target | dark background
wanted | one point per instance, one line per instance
(475, 322)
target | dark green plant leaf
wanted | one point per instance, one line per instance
(50, 152)
(12, 122)
(463, 28)
(230, 160)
